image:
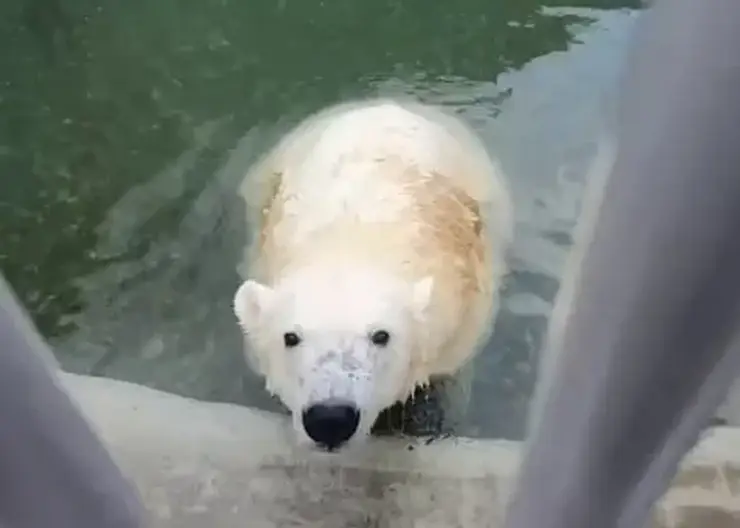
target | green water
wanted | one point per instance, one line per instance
(124, 128)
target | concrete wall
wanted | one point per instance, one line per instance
(214, 465)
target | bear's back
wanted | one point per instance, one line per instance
(400, 185)
(420, 135)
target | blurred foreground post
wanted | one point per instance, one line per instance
(643, 344)
(54, 471)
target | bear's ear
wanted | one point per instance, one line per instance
(422, 294)
(250, 302)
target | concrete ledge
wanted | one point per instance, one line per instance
(200, 464)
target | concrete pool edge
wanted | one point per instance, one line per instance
(206, 464)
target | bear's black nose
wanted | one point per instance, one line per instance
(331, 424)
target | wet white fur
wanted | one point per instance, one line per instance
(366, 216)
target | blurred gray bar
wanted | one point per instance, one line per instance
(54, 471)
(649, 348)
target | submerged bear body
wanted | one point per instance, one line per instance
(379, 237)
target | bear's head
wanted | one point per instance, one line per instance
(336, 345)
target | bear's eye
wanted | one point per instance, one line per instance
(291, 339)
(380, 337)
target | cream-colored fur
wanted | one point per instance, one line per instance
(397, 189)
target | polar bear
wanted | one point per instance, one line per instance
(380, 229)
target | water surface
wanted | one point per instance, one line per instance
(126, 128)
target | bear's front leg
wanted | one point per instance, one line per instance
(432, 411)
